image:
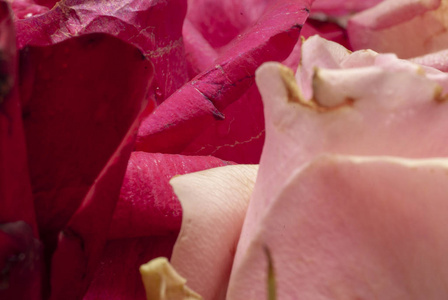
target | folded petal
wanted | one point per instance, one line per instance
(200, 103)
(348, 227)
(138, 22)
(341, 7)
(406, 27)
(214, 204)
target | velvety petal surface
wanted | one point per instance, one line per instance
(347, 227)
(146, 221)
(406, 27)
(82, 98)
(202, 101)
(147, 204)
(214, 204)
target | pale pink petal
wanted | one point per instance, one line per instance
(437, 60)
(406, 27)
(214, 204)
(349, 227)
(389, 108)
(341, 7)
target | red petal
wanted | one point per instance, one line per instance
(20, 254)
(82, 98)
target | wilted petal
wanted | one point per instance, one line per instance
(214, 204)
(353, 228)
(162, 282)
(406, 27)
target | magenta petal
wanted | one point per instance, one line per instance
(27, 8)
(198, 104)
(153, 26)
(148, 205)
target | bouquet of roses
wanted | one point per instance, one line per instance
(252, 149)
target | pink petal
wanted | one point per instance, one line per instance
(407, 28)
(379, 109)
(147, 204)
(342, 7)
(27, 8)
(353, 228)
(199, 103)
(214, 204)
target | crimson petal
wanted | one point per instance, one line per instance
(81, 101)
(20, 251)
(153, 26)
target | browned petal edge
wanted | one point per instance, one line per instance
(439, 96)
(294, 95)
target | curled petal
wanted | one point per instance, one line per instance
(214, 204)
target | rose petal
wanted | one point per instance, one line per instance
(214, 204)
(355, 228)
(363, 111)
(117, 276)
(134, 21)
(79, 122)
(185, 115)
(27, 8)
(20, 251)
(407, 28)
(147, 204)
(342, 7)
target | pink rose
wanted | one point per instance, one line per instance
(349, 199)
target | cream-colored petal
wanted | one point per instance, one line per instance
(214, 204)
(162, 282)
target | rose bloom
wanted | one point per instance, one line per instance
(103, 103)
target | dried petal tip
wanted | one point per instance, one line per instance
(162, 282)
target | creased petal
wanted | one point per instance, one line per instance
(135, 21)
(199, 103)
(214, 204)
(407, 28)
